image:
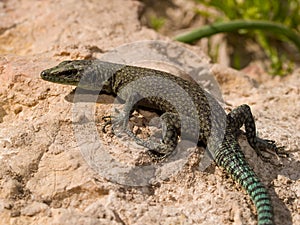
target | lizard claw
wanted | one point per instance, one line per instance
(280, 152)
(107, 120)
(118, 122)
(264, 145)
(156, 156)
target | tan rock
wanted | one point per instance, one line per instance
(44, 178)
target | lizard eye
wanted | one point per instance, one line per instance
(70, 73)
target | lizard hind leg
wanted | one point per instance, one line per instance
(242, 116)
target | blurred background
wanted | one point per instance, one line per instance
(263, 47)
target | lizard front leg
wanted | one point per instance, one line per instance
(169, 139)
(119, 121)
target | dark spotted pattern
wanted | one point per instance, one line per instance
(188, 111)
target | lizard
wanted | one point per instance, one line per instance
(216, 129)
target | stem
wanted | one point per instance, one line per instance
(234, 25)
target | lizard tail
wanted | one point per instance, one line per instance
(230, 157)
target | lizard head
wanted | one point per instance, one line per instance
(67, 72)
(86, 74)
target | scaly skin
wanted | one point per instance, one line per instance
(206, 118)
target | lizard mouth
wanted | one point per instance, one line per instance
(67, 78)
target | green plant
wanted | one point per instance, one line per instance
(252, 18)
(156, 22)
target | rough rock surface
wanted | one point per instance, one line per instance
(43, 176)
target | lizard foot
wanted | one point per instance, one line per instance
(263, 145)
(118, 122)
(107, 122)
(157, 151)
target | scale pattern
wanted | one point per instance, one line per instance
(188, 110)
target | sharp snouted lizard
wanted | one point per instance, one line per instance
(212, 119)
